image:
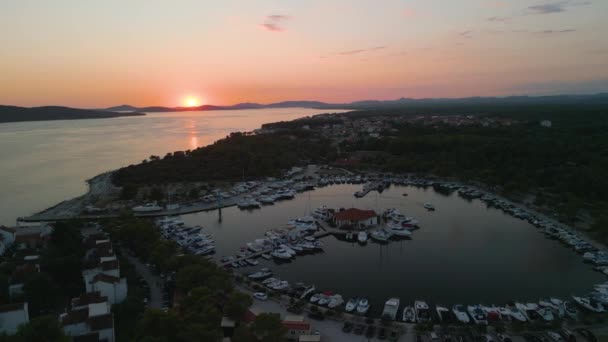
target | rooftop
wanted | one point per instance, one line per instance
(354, 214)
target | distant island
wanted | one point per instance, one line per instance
(401, 103)
(17, 114)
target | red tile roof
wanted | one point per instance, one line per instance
(354, 214)
(297, 325)
(105, 278)
(7, 229)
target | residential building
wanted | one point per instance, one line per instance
(12, 316)
(296, 326)
(89, 319)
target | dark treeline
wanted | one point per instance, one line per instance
(232, 158)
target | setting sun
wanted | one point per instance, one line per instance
(191, 101)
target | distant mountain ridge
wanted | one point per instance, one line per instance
(601, 98)
(17, 114)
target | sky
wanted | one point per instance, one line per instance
(95, 54)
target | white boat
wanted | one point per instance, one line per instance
(269, 281)
(362, 237)
(267, 200)
(589, 304)
(380, 235)
(261, 274)
(505, 313)
(324, 300)
(409, 314)
(400, 231)
(281, 285)
(391, 307)
(477, 314)
(546, 314)
(251, 262)
(335, 301)
(362, 306)
(147, 208)
(460, 313)
(600, 297)
(523, 308)
(351, 305)
(323, 213)
(266, 256)
(423, 313)
(442, 312)
(315, 298)
(429, 206)
(281, 254)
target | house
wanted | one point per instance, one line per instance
(296, 326)
(89, 319)
(12, 316)
(355, 218)
(114, 288)
(25, 236)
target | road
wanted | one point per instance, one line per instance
(155, 283)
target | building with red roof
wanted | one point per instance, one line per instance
(356, 218)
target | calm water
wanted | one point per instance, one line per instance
(46, 162)
(463, 253)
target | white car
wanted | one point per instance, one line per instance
(260, 296)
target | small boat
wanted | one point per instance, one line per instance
(589, 304)
(422, 311)
(252, 262)
(429, 207)
(400, 231)
(315, 298)
(362, 306)
(307, 290)
(324, 300)
(460, 313)
(261, 274)
(351, 305)
(380, 235)
(266, 256)
(517, 314)
(546, 314)
(281, 285)
(269, 281)
(442, 312)
(477, 314)
(570, 310)
(362, 237)
(505, 313)
(409, 314)
(391, 307)
(492, 312)
(335, 301)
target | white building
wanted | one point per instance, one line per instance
(89, 317)
(109, 286)
(12, 316)
(356, 218)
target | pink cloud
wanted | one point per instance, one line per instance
(273, 22)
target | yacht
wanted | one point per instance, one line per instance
(400, 231)
(409, 314)
(390, 308)
(477, 314)
(429, 207)
(422, 311)
(147, 208)
(380, 235)
(589, 304)
(335, 301)
(517, 314)
(362, 306)
(323, 213)
(315, 298)
(443, 313)
(261, 274)
(362, 237)
(460, 313)
(351, 305)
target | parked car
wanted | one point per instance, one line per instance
(260, 296)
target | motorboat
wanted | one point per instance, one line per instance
(266, 256)
(323, 213)
(261, 274)
(477, 314)
(251, 262)
(335, 301)
(400, 231)
(523, 308)
(492, 313)
(505, 313)
(546, 314)
(281, 285)
(380, 235)
(362, 306)
(391, 307)
(147, 208)
(409, 314)
(422, 311)
(571, 310)
(429, 207)
(460, 313)
(589, 304)
(307, 290)
(442, 312)
(323, 300)
(269, 281)
(362, 237)
(281, 254)
(351, 305)
(315, 298)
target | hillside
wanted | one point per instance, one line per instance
(16, 114)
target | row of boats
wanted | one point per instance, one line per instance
(192, 239)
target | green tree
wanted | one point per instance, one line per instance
(269, 328)
(41, 329)
(42, 294)
(237, 305)
(158, 324)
